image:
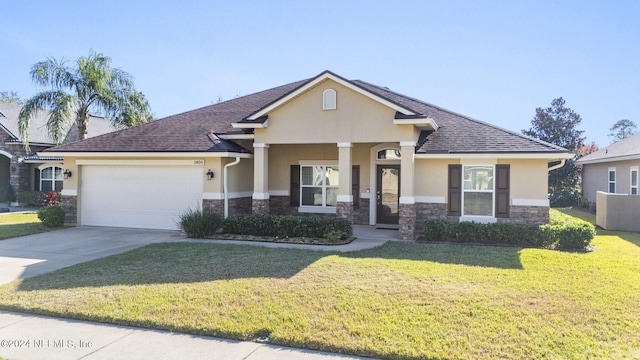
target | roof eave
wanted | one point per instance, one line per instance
(608, 159)
(145, 154)
(551, 156)
(250, 125)
(423, 123)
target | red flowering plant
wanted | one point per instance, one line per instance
(52, 198)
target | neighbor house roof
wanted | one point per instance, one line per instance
(626, 149)
(38, 126)
(201, 130)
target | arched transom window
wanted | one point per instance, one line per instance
(389, 154)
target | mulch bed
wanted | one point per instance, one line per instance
(287, 240)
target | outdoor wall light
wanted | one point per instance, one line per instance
(209, 174)
(67, 173)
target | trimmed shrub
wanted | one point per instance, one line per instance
(437, 230)
(51, 216)
(572, 233)
(563, 232)
(286, 226)
(199, 223)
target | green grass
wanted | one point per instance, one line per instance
(400, 301)
(19, 224)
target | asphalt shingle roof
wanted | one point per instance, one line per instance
(38, 125)
(194, 131)
(191, 131)
(626, 148)
(461, 134)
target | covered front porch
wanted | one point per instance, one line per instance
(366, 183)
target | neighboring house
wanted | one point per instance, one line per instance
(325, 145)
(610, 180)
(26, 171)
(613, 169)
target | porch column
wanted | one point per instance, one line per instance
(260, 200)
(344, 205)
(407, 206)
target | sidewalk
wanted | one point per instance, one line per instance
(24, 336)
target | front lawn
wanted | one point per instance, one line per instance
(399, 301)
(19, 224)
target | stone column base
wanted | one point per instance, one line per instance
(345, 210)
(260, 206)
(70, 206)
(407, 222)
(217, 206)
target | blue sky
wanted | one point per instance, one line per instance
(494, 60)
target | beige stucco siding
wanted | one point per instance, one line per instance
(240, 176)
(357, 118)
(529, 178)
(595, 177)
(431, 177)
(281, 157)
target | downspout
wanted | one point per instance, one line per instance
(226, 186)
(557, 166)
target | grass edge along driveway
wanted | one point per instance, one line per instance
(19, 224)
(398, 301)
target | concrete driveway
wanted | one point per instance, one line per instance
(37, 254)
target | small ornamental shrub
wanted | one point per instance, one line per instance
(51, 216)
(286, 226)
(335, 236)
(10, 194)
(200, 223)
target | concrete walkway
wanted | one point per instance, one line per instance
(24, 336)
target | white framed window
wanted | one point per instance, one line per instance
(319, 186)
(478, 190)
(634, 181)
(612, 180)
(329, 101)
(51, 178)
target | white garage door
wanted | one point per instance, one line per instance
(150, 197)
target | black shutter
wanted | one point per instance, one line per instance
(355, 186)
(455, 190)
(502, 191)
(294, 189)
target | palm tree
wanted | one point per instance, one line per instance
(92, 86)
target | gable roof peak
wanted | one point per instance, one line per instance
(337, 78)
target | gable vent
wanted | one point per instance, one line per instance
(329, 99)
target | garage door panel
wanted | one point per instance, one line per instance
(139, 196)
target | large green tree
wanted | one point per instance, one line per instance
(90, 86)
(557, 125)
(622, 129)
